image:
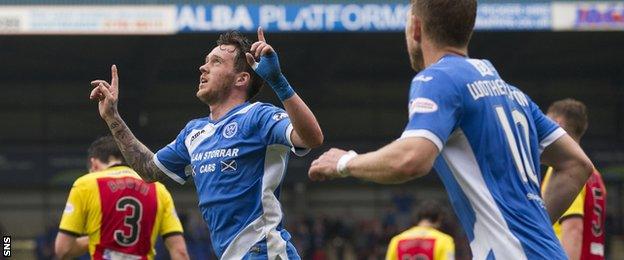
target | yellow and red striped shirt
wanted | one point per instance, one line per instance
(421, 243)
(121, 214)
(590, 204)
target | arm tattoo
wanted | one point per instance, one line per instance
(138, 156)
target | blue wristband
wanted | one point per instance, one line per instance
(269, 70)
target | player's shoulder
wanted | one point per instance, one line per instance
(86, 184)
(160, 188)
(84, 180)
(455, 66)
(432, 75)
(197, 122)
(259, 107)
(420, 231)
(263, 110)
(462, 70)
(112, 172)
(120, 171)
(162, 192)
(89, 178)
(443, 236)
(412, 232)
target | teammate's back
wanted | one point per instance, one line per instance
(490, 142)
(484, 138)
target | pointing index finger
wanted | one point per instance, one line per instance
(114, 76)
(261, 34)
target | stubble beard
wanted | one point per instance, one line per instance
(215, 94)
(417, 60)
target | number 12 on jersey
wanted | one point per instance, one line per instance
(521, 153)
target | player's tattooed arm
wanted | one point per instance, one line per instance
(138, 156)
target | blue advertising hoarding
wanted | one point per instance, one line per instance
(292, 17)
(346, 17)
(342, 17)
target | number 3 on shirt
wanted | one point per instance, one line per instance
(521, 153)
(132, 221)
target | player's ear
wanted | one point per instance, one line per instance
(243, 79)
(417, 29)
(93, 164)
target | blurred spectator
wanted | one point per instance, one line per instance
(347, 237)
(403, 201)
(45, 243)
(424, 240)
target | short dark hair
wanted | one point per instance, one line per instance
(447, 22)
(243, 45)
(103, 148)
(574, 113)
(430, 210)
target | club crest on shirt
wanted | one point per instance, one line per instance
(279, 116)
(422, 105)
(230, 130)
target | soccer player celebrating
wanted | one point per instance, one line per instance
(484, 137)
(424, 241)
(120, 214)
(238, 154)
(581, 228)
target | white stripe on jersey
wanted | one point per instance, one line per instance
(169, 173)
(425, 134)
(198, 136)
(296, 150)
(491, 232)
(274, 170)
(551, 138)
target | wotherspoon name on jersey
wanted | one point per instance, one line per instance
(494, 88)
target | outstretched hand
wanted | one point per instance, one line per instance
(106, 94)
(258, 49)
(263, 59)
(326, 166)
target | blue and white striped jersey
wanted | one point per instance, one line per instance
(238, 163)
(490, 136)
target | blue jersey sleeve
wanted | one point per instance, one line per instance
(547, 130)
(434, 107)
(173, 158)
(274, 127)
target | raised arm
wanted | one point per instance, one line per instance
(571, 168)
(397, 162)
(138, 156)
(306, 130)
